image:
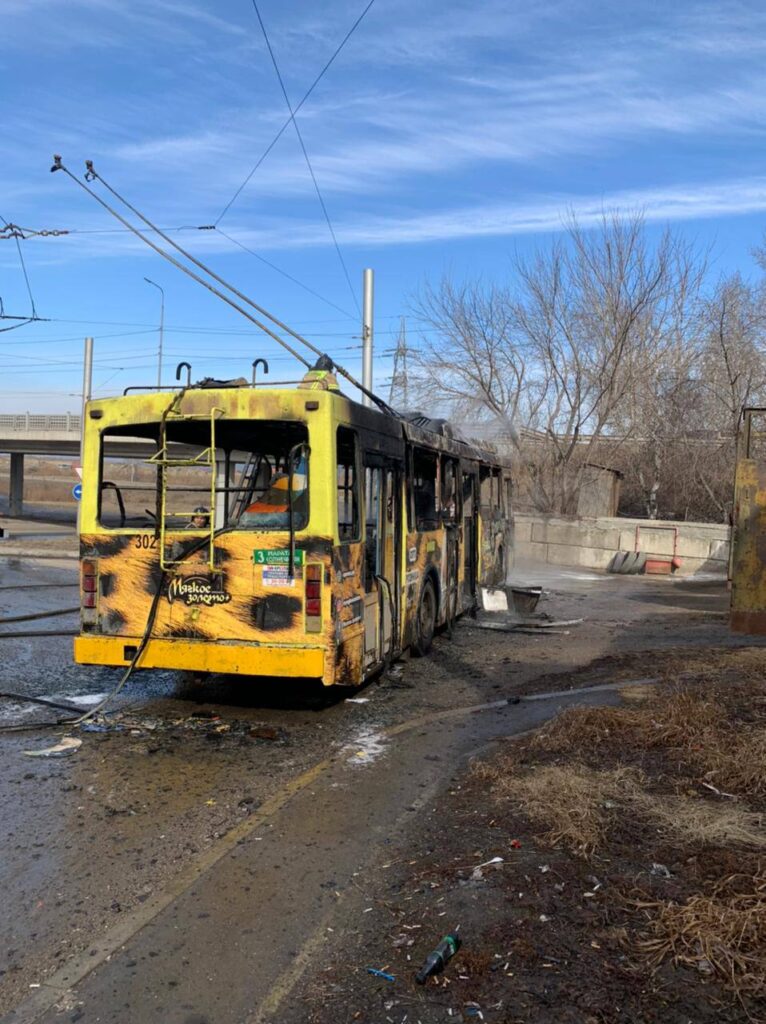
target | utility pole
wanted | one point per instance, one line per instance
(87, 388)
(398, 395)
(87, 385)
(367, 331)
(162, 329)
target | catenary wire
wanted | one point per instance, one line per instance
(92, 175)
(29, 233)
(23, 267)
(286, 124)
(284, 273)
(202, 266)
(306, 155)
(59, 166)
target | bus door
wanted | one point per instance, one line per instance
(450, 512)
(382, 490)
(470, 539)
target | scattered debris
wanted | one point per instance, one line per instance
(267, 732)
(660, 871)
(525, 599)
(477, 873)
(437, 960)
(67, 745)
(381, 974)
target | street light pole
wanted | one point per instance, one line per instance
(162, 329)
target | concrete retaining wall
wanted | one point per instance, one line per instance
(593, 543)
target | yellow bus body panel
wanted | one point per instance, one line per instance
(203, 656)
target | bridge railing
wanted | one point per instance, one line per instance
(24, 422)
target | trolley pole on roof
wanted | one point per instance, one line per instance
(367, 314)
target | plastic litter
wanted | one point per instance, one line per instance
(381, 974)
(67, 745)
(478, 873)
(660, 871)
(437, 960)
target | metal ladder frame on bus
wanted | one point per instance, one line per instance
(207, 457)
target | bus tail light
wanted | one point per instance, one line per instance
(89, 586)
(313, 601)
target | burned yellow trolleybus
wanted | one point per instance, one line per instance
(279, 532)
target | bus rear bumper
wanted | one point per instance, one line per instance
(203, 656)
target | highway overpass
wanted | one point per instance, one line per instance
(29, 433)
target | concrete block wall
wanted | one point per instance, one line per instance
(593, 543)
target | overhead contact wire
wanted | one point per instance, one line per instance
(93, 175)
(282, 130)
(284, 273)
(198, 263)
(306, 156)
(59, 166)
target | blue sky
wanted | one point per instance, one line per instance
(446, 137)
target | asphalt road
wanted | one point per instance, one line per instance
(186, 864)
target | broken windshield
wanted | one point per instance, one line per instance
(241, 483)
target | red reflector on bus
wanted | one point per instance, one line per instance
(89, 567)
(313, 606)
(313, 588)
(89, 584)
(89, 600)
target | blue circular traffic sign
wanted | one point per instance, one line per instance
(77, 492)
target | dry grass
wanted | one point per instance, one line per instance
(697, 723)
(723, 932)
(581, 807)
(738, 766)
(692, 822)
(576, 803)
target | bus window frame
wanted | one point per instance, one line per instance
(457, 493)
(422, 524)
(106, 432)
(357, 489)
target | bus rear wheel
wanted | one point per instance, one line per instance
(426, 620)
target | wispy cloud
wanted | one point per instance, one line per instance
(535, 215)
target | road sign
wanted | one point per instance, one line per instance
(77, 492)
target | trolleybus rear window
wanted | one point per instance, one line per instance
(243, 481)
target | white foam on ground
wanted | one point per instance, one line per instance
(83, 700)
(365, 748)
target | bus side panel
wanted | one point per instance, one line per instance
(348, 624)
(424, 557)
(493, 548)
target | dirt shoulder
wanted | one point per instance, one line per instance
(608, 868)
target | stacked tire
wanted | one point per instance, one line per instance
(628, 563)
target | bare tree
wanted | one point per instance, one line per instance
(554, 355)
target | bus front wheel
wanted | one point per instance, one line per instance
(426, 621)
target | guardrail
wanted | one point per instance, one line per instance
(26, 422)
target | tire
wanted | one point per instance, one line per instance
(616, 563)
(628, 566)
(426, 620)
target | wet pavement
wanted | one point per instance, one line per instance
(176, 863)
